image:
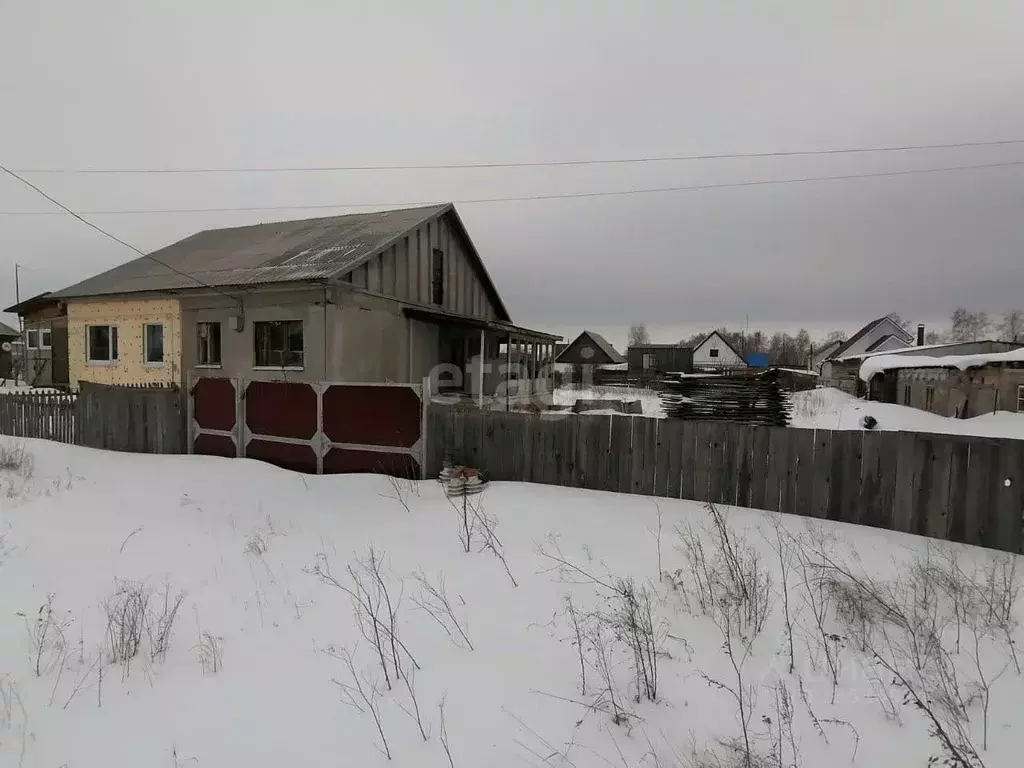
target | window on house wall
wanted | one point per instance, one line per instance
(929, 398)
(279, 344)
(648, 362)
(102, 343)
(906, 394)
(209, 343)
(1020, 398)
(713, 353)
(437, 277)
(32, 338)
(153, 343)
(45, 338)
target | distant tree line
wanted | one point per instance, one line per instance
(797, 350)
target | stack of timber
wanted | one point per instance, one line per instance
(747, 399)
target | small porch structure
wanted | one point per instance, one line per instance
(492, 362)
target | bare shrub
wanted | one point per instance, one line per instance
(742, 693)
(435, 601)
(13, 713)
(630, 617)
(127, 612)
(401, 489)
(577, 623)
(209, 650)
(444, 734)
(17, 466)
(375, 611)
(486, 525)
(160, 622)
(409, 678)
(362, 693)
(727, 578)
(47, 643)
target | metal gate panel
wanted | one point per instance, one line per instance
(213, 416)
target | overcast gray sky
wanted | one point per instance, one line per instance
(231, 83)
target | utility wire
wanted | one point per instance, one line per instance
(522, 198)
(537, 164)
(115, 238)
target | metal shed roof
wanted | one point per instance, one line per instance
(276, 252)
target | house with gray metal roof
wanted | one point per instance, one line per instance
(389, 296)
(590, 348)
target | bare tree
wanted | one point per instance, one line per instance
(638, 335)
(1012, 326)
(968, 326)
(743, 694)
(444, 734)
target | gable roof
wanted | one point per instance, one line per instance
(276, 252)
(27, 306)
(601, 343)
(723, 340)
(6, 330)
(901, 332)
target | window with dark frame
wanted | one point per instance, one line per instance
(153, 343)
(437, 277)
(713, 352)
(278, 344)
(209, 343)
(102, 343)
(906, 394)
(929, 398)
(1020, 398)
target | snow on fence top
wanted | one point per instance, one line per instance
(882, 363)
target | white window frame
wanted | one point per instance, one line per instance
(32, 338)
(112, 344)
(145, 345)
(48, 331)
(200, 341)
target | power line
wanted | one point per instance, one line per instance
(115, 238)
(523, 198)
(536, 164)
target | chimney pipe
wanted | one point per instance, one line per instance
(920, 334)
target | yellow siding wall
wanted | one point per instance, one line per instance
(130, 317)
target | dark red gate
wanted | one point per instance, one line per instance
(322, 427)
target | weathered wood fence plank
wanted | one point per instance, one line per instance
(960, 488)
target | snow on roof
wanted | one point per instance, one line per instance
(881, 363)
(903, 351)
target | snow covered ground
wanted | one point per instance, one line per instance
(832, 409)
(650, 399)
(254, 673)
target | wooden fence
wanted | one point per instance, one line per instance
(966, 489)
(43, 415)
(138, 419)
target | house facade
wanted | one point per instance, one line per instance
(45, 341)
(971, 384)
(393, 296)
(649, 360)
(840, 369)
(715, 353)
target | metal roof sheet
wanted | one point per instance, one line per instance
(275, 252)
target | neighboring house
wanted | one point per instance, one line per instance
(647, 360)
(960, 385)
(715, 353)
(824, 353)
(8, 337)
(758, 360)
(46, 340)
(392, 296)
(840, 368)
(590, 348)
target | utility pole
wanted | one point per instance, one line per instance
(21, 328)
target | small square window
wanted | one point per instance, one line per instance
(279, 344)
(102, 343)
(713, 353)
(209, 343)
(153, 343)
